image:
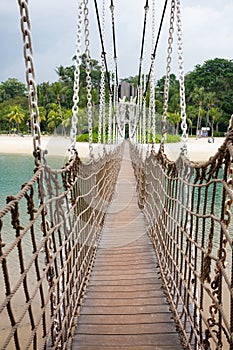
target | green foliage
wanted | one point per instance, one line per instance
(169, 138)
(85, 137)
(16, 116)
(209, 98)
(219, 134)
(212, 84)
(12, 88)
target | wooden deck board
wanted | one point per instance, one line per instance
(124, 306)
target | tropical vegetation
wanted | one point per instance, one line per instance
(209, 99)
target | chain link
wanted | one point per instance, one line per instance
(30, 78)
(153, 75)
(102, 118)
(152, 85)
(102, 102)
(144, 120)
(110, 119)
(88, 77)
(115, 100)
(168, 71)
(181, 73)
(74, 118)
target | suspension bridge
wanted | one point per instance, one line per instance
(127, 250)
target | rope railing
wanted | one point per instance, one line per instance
(187, 208)
(47, 250)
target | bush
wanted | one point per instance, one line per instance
(169, 138)
(219, 134)
(85, 137)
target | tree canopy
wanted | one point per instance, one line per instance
(209, 98)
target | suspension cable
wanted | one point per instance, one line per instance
(102, 45)
(30, 77)
(75, 108)
(114, 40)
(88, 77)
(156, 45)
(181, 78)
(146, 8)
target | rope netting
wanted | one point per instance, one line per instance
(49, 232)
(47, 249)
(187, 208)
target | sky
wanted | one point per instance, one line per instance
(207, 34)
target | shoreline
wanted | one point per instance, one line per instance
(198, 150)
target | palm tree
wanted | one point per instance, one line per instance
(197, 96)
(16, 115)
(174, 119)
(66, 119)
(54, 117)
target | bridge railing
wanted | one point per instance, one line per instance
(187, 207)
(49, 233)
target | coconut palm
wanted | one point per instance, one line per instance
(54, 117)
(197, 96)
(16, 115)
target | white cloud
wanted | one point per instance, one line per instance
(207, 27)
(208, 33)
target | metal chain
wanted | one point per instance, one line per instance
(74, 118)
(152, 84)
(88, 77)
(144, 120)
(110, 120)
(114, 82)
(144, 97)
(101, 127)
(111, 85)
(168, 70)
(153, 75)
(114, 108)
(181, 73)
(30, 77)
(102, 100)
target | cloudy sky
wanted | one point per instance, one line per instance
(207, 33)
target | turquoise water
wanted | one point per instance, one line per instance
(16, 169)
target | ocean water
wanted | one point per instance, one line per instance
(16, 169)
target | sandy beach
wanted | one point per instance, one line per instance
(56, 146)
(198, 150)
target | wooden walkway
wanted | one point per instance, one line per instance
(125, 307)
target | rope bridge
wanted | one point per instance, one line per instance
(49, 252)
(49, 232)
(187, 208)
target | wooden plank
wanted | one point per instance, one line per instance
(119, 294)
(126, 288)
(126, 339)
(125, 319)
(134, 347)
(126, 277)
(134, 329)
(116, 301)
(124, 306)
(124, 310)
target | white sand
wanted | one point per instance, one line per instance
(54, 145)
(198, 150)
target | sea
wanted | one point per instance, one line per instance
(16, 169)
